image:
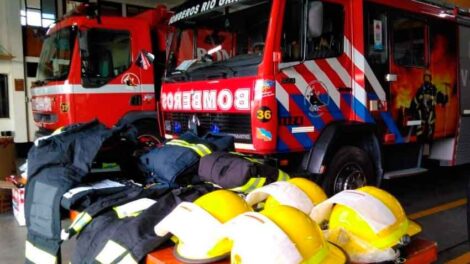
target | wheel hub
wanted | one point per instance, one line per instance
(149, 141)
(350, 177)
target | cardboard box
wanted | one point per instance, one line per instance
(7, 157)
(5, 196)
(5, 201)
(16, 200)
(18, 205)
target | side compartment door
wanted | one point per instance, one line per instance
(313, 71)
(463, 146)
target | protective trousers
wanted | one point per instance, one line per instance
(55, 165)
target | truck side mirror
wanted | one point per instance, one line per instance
(149, 56)
(144, 59)
(315, 19)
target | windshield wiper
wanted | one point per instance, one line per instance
(176, 76)
(57, 78)
(39, 83)
(228, 68)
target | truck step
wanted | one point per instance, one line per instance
(404, 173)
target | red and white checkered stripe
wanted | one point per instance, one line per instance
(333, 73)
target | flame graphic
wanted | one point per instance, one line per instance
(443, 69)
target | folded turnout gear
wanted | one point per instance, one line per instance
(237, 172)
(172, 163)
(117, 237)
(103, 203)
(55, 165)
(84, 195)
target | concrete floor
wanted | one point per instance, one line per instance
(428, 191)
(12, 241)
(441, 186)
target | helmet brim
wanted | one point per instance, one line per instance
(413, 228)
(207, 259)
(335, 255)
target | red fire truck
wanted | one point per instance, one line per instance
(351, 91)
(93, 66)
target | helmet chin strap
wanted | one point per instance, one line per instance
(363, 252)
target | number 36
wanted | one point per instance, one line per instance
(264, 114)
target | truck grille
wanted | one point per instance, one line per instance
(236, 125)
(45, 118)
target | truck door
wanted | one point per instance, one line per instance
(376, 52)
(409, 63)
(111, 83)
(423, 90)
(314, 70)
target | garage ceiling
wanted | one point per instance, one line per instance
(170, 2)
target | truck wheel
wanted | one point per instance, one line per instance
(147, 133)
(350, 168)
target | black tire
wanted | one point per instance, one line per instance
(147, 133)
(350, 168)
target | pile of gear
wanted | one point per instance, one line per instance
(197, 194)
(290, 222)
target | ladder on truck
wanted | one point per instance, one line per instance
(450, 4)
(454, 7)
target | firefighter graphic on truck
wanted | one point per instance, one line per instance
(423, 108)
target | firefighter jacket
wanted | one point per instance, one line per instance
(101, 202)
(55, 165)
(238, 172)
(176, 162)
(119, 237)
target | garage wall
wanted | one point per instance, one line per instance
(461, 3)
(149, 3)
(11, 40)
(141, 3)
(145, 3)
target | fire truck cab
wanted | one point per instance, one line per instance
(351, 91)
(93, 66)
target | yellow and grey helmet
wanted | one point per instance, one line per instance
(198, 226)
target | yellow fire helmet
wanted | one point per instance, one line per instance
(198, 226)
(58, 131)
(299, 193)
(367, 223)
(280, 234)
(55, 133)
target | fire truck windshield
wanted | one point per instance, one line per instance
(56, 55)
(225, 41)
